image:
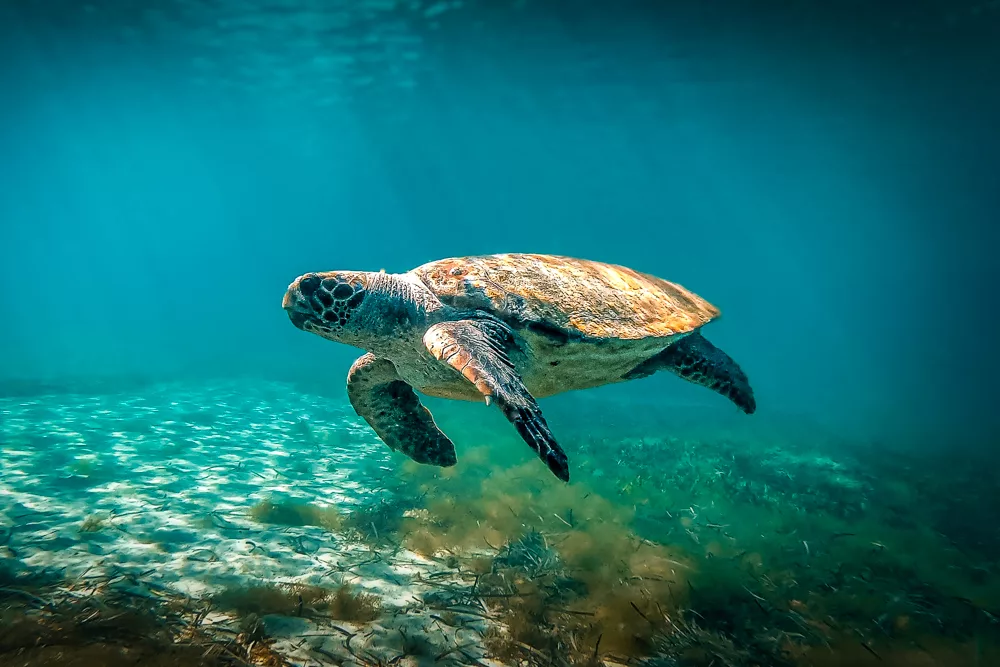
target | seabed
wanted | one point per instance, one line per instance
(255, 523)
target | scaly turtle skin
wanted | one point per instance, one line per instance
(505, 328)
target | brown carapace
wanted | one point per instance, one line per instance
(505, 329)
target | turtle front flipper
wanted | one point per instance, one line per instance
(696, 360)
(392, 409)
(478, 349)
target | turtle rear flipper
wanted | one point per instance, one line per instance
(478, 350)
(392, 409)
(695, 359)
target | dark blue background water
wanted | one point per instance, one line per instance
(829, 178)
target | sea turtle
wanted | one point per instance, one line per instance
(509, 328)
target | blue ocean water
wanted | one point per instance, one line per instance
(826, 175)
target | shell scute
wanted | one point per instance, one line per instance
(580, 297)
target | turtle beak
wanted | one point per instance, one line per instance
(295, 304)
(298, 318)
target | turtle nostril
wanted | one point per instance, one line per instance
(308, 284)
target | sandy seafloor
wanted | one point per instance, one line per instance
(170, 472)
(148, 491)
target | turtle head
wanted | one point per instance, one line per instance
(359, 308)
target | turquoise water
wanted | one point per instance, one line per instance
(175, 455)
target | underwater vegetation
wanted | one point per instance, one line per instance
(734, 583)
(297, 600)
(101, 622)
(710, 555)
(291, 514)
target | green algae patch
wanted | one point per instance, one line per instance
(342, 603)
(297, 514)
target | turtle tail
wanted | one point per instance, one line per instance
(696, 360)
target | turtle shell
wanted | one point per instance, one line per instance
(567, 296)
